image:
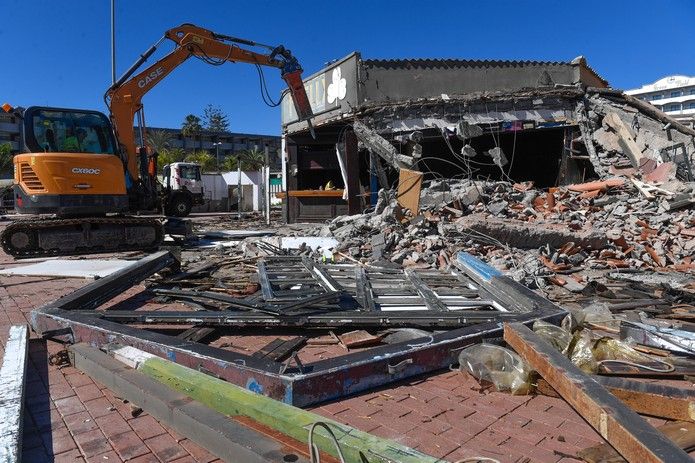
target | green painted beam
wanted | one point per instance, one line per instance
(232, 400)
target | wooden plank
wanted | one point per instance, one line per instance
(634, 438)
(196, 333)
(652, 399)
(646, 398)
(409, 186)
(682, 434)
(291, 421)
(359, 338)
(268, 348)
(311, 194)
(12, 383)
(278, 349)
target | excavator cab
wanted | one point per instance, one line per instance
(68, 130)
(72, 167)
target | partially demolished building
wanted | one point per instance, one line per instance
(552, 123)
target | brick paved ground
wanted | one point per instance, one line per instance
(70, 418)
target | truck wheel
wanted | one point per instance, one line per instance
(179, 206)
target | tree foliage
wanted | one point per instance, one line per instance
(168, 156)
(229, 164)
(252, 159)
(5, 157)
(191, 127)
(206, 160)
(215, 119)
(159, 140)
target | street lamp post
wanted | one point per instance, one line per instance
(266, 184)
(217, 153)
(239, 194)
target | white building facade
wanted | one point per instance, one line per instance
(674, 95)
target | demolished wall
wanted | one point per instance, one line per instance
(657, 137)
(612, 133)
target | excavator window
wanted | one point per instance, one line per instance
(67, 130)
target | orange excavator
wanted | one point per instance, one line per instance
(82, 173)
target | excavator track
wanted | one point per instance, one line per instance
(68, 237)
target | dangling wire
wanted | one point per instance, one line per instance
(264, 89)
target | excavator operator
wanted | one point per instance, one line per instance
(75, 143)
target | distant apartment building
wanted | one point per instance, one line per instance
(674, 95)
(9, 130)
(226, 144)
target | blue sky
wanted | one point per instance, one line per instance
(57, 53)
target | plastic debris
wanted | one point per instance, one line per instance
(497, 365)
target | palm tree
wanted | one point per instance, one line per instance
(191, 128)
(229, 164)
(159, 140)
(252, 159)
(206, 160)
(167, 156)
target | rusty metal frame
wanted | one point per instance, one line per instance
(299, 385)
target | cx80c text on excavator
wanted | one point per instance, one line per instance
(81, 173)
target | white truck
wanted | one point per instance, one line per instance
(182, 188)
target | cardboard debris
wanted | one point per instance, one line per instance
(409, 186)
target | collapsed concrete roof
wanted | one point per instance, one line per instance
(618, 131)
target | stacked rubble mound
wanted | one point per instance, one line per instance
(598, 225)
(635, 215)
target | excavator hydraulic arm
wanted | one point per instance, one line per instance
(124, 97)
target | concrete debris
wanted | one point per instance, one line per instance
(541, 237)
(466, 131)
(604, 250)
(381, 146)
(468, 151)
(498, 156)
(624, 129)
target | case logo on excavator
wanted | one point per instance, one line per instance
(85, 170)
(151, 77)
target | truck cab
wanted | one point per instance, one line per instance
(183, 188)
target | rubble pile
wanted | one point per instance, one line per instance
(632, 137)
(607, 224)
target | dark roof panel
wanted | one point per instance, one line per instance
(436, 63)
(427, 63)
